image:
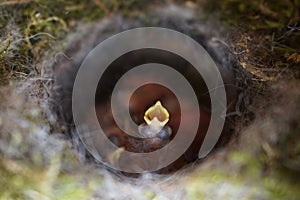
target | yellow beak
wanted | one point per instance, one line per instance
(156, 116)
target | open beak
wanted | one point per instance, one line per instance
(156, 117)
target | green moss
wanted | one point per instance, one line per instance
(257, 14)
(72, 187)
(280, 189)
(16, 178)
(269, 31)
(40, 25)
(212, 184)
(250, 166)
(25, 181)
(150, 194)
(245, 179)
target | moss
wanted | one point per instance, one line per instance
(244, 180)
(73, 187)
(150, 194)
(33, 163)
(265, 162)
(268, 30)
(279, 189)
(219, 185)
(257, 14)
(21, 181)
(249, 165)
(29, 29)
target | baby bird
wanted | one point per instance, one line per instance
(156, 117)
